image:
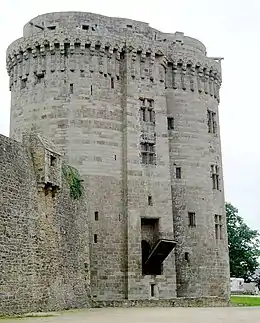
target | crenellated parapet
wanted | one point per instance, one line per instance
(178, 61)
(202, 76)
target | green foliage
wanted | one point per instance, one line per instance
(73, 179)
(244, 245)
(245, 301)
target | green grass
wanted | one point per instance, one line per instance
(245, 301)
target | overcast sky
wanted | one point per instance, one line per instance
(228, 28)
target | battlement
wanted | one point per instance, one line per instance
(74, 48)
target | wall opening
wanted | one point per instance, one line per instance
(71, 89)
(150, 200)
(170, 122)
(178, 172)
(51, 27)
(149, 236)
(91, 90)
(112, 83)
(53, 160)
(192, 219)
(96, 216)
(95, 238)
(85, 27)
(187, 256)
(152, 290)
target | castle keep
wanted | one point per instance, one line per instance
(135, 111)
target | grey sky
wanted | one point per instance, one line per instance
(228, 28)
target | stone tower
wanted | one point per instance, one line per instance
(136, 111)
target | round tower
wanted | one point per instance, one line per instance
(136, 111)
(192, 94)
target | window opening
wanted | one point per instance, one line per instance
(186, 256)
(215, 177)
(170, 122)
(152, 290)
(192, 219)
(178, 172)
(218, 227)
(96, 216)
(52, 160)
(112, 83)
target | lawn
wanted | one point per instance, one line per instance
(245, 301)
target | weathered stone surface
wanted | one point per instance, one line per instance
(103, 89)
(44, 254)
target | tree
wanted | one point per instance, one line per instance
(244, 245)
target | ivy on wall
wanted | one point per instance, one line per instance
(73, 179)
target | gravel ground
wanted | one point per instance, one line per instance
(151, 315)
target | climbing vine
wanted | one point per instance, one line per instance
(73, 179)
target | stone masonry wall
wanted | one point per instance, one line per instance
(83, 80)
(44, 253)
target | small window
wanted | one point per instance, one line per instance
(91, 90)
(85, 27)
(178, 172)
(187, 256)
(170, 121)
(212, 122)
(95, 238)
(115, 157)
(96, 216)
(152, 290)
(218, 227)
(142, 114)
(71, 89)
(215, 177)
(129, 26)
(112, 83)
(51, 27)
(150, 201)
(52, 160)
(192, 219)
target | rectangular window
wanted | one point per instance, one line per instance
(212, 123)
(152, 290)
(91, 89)
(51, 27)
(85, 27)
(112, 83)
(218, 227)
(150, 115)
(96, 216)
(95, 238)
(52, 160)
(178, 172)
(186, 256)
(147, 112)
(148, 153)
(150, 201)
(71, 88)
(142, 114)
(192, 219)
(170, 122)
(215, 177)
